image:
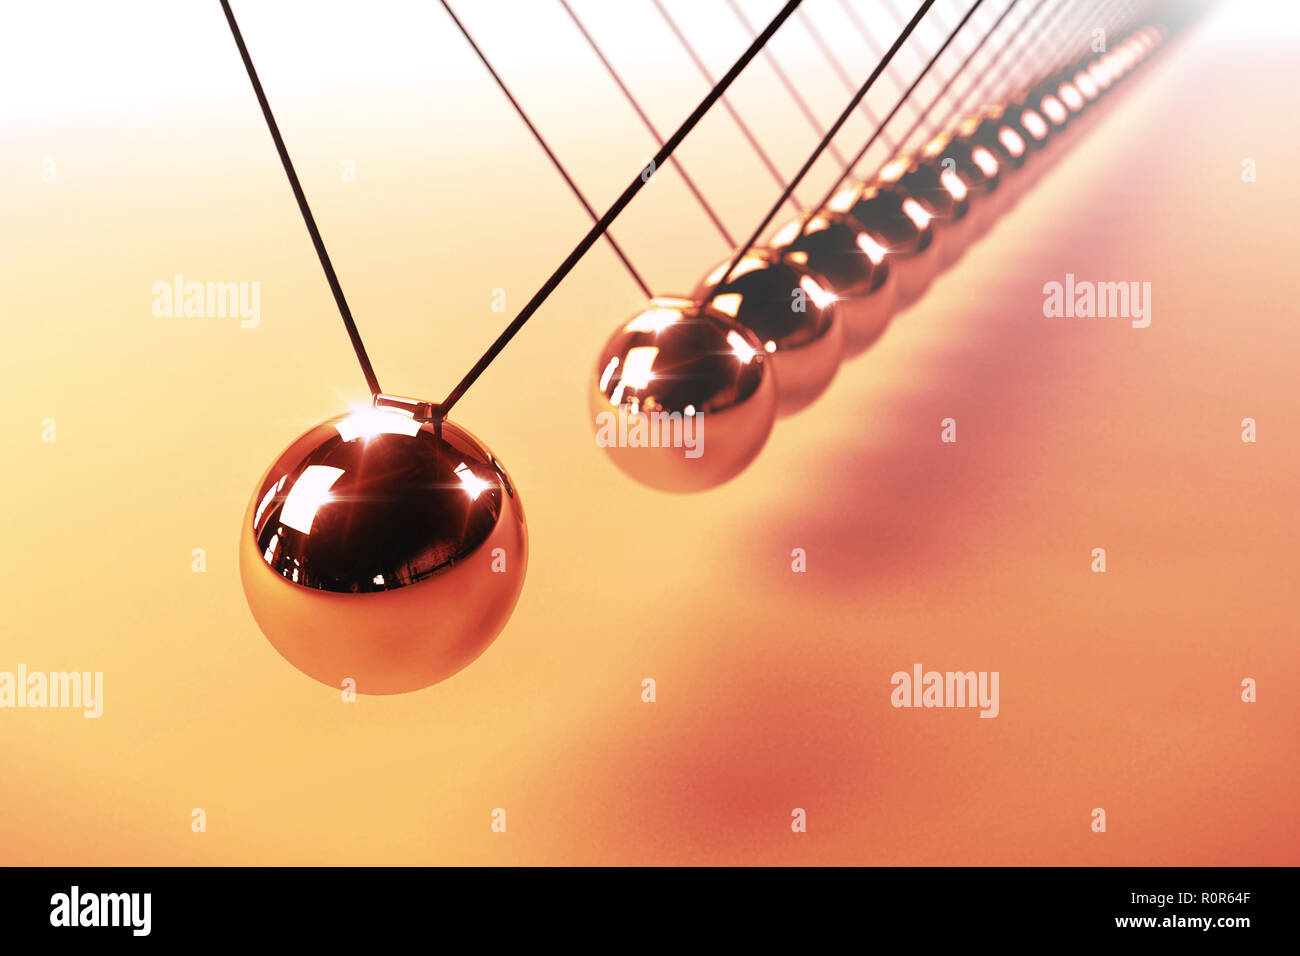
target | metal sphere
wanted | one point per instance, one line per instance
(903, 226)
(943, 195)
(1029, 123)
(791, 310)
(854, 263)
(1086, 84)
(977, 169)
(1007, 144)
(684, 396)
(1070, 95)
(383, 549)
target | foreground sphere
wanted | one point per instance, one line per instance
(855, 265)
(791, 311)
(902, 225)
(383, 549)
(684, 396)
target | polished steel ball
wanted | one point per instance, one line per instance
(854, 263)
(978, 171)
(902, 225)
(999, 137)
(383, 549)
(684, 396)
(1070, 95)
(791, 311)
(943, 195)
(989, 131)
(1050, 106)
(1086, 84)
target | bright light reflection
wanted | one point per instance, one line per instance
(1012, 141)
(636, 371)
(916, 212)
(729, 303)
(739, 347)
(653, 320)
(822, 297)
(843, 200)
(747, 264)
(1035, 124)
(985, 160)
(952, 182)
(606, 375)
(874, 250)
(266, 499)
(786, 234)
(472, 484)
(894, 170)
(309, 493)
(366, 423)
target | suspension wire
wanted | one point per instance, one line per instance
(989, 77)
(1009, 80)
(650, 126)
(319, 243)
(928, 112)
(550, 154)
(835, 128)
(825, 50)
(989, 71)
(754, 144)
(601, 225)
(786, 82)
(902, 99)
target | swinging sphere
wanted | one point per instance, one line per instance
(854, 263)
(383, 549)
(943, 195)
(978, 170)
(902, 225)
(791, 311)
(684, 397)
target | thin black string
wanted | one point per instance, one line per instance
(902, 99)
(835, 128)
(754, 144)
(541, 141)
(1022, 40)
(786, 82)
(825, 50)
(1029, 63)
(612, 213)
(650, 126)
(357, 345)
(938, 97)
(1110, 15)
(980, 80)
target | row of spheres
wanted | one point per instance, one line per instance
(765, 338)
(385, 549)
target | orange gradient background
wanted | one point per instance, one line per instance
(1119, 690)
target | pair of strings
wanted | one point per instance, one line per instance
(1066, 37)
(598, 229)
